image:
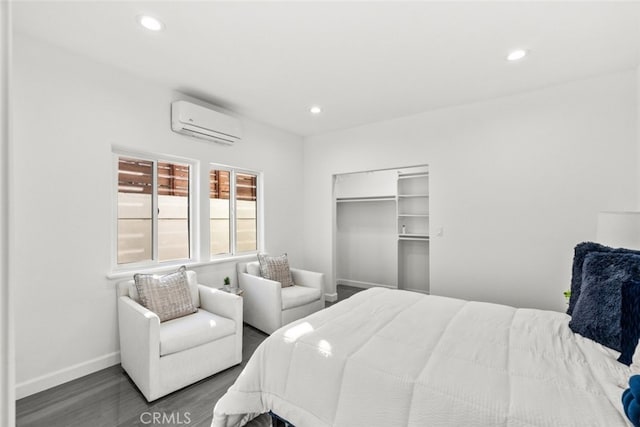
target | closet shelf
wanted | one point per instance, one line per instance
(366, 199)
(410, 196)
(414, 215)
(413, 175)
(413, 237)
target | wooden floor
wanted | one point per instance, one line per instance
(108, 398)
(344, 292)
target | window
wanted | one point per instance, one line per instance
(153, 210)
(158, 201)
(233, 211)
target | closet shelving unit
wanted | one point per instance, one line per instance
(413, 205)
(413, 230)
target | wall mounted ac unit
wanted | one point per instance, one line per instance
(200, 122)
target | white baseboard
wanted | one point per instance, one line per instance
(44, 382)
(364, 285)
(331, 297)
(420, 291)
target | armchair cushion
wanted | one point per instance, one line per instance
(295, 296)
(168, 296)
(276, 269)
(193, 330)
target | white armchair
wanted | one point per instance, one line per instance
(268, 306)
(164, 357)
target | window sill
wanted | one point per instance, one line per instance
(157, 269)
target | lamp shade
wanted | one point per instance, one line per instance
(619, 229)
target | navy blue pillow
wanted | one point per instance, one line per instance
(580, 252)
(596, 314)
(631, 400)
(629, 321)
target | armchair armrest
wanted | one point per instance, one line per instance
(226, 305)
(262, 302)
(139, 342)
(221, 303)
(310, 279)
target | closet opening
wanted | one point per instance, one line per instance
(381, 230)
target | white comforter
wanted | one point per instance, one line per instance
(394, 358)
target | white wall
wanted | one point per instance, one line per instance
(366, 236)
(638, 129)
(7, 374)
(69, 111)
(515, 183)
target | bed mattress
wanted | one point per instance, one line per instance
(395, 358)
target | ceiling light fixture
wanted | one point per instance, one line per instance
(315, 110)
(150, 23)
(516, 55)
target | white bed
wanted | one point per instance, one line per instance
(396, 358)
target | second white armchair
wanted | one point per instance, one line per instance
(268, 306)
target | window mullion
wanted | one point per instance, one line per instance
(191, 221)
(232, 201)
(154, 212)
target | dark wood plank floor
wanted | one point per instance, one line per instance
(108, 398)
(345, 292)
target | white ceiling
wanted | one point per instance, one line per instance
(361, 61)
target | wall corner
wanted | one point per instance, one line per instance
(7, 369)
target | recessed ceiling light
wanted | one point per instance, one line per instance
(315, 110)
(150, 23)
(516, 55)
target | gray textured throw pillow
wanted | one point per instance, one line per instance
(168, 296)
(276, 268)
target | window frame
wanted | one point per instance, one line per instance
(233, 171)
(193, 223)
